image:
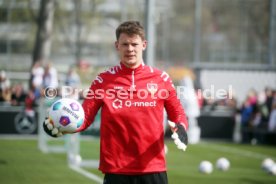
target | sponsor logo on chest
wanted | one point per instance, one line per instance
(152, 87)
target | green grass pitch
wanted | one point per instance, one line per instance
(22, 163)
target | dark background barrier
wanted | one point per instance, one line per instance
(14, 120)
(214, 122)
(217, 122)
(219, 127)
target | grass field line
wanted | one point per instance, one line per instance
(87, 174)
(236, 151)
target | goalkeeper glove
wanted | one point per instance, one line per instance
(179, 135)
(50, 129)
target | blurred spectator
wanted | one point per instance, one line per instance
(209, 100)
(200, 97)
(268, 98)
(256, 118)
(5, 93)
(29, 105)
(37, 78)
(272, 117)
(72, 78)
(5, 96)
(252, 98)
(4, 81)
(246, 117)
(18, 95)
(37, 75)
(30, 100)
(50, 77)
(262, 115)
(228, 101)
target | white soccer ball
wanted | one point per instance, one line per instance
(205, 167)
(74, 159)
(267, 164)
(66, 115)
(223, 164)
(272, 169)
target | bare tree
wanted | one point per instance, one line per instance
(44, 21)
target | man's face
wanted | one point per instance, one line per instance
(130, 49)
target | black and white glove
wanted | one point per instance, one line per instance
(50, 129)
(179, 135)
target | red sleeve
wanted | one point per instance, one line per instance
(173, 106)
(92, 103)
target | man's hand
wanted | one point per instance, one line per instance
(50, 129)
(179, 135)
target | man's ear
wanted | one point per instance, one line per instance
(145, 43)
(116, 45)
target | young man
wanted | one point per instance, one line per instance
(132, 97)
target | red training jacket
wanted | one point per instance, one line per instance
(132, 103)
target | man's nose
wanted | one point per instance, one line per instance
(130, 48)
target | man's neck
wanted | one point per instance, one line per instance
(133, 66)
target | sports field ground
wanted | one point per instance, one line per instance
(21, 162)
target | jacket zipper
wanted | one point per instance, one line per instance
(133, 86)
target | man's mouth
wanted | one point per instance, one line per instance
(130, 56)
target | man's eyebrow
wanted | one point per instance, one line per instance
(129, 42)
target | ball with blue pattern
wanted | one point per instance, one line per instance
(67, 115)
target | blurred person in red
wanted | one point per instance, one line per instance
(132, 132)
(252, 98)
(29, 105)
(30, 101)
